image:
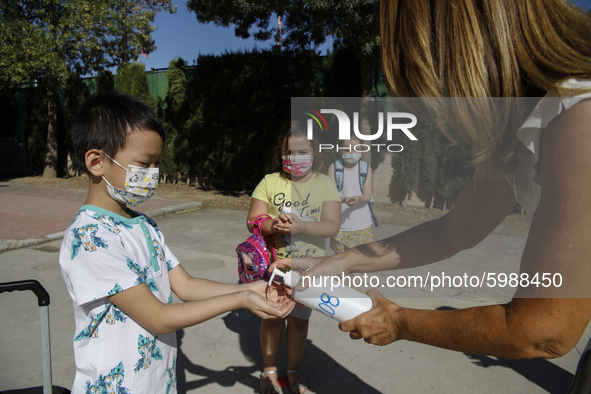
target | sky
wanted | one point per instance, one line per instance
(181, 35)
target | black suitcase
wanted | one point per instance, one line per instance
(43, 302)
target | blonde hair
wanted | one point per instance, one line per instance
(484, 49)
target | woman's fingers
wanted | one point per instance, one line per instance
(320, 266)
(379, 325)
(283, 263)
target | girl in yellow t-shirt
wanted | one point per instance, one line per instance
(305, 207)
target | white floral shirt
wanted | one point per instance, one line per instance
(102, 254)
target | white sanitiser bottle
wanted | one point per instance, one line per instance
(342, 303)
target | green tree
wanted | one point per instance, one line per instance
(35, 120)
(409, 171)
(35, 127)
(132, 79)
(175, 115)
(75, 93)
(44, 41)
(305, 24)
(177, 86)
(455, 170)
(431, 142)
(440, 165)
(105, 80)
(230, 142)
(341, 65)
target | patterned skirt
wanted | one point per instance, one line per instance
(345, 240)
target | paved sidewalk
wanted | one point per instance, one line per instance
(223, 354)
(33, 214)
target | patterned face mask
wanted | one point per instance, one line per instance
(297, 165)
(140, 184)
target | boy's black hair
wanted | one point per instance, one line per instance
(106, 119)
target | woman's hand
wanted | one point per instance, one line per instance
(336, 265)
(379, 325)
(301, 265)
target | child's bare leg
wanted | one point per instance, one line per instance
(297, 334)
(271, 332)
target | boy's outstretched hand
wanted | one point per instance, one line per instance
(267, 302)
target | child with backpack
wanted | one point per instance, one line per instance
(353, 178)
(304, 207)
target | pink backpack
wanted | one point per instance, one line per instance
(253, 254)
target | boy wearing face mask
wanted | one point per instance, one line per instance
(353, 178)
(117, 267)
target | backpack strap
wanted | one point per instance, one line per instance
(258, 230)
(362, 173)
(339, 173)
(363, 170)
(373, 217)
(258, 223)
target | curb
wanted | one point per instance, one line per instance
(174, 209)
(23, 243)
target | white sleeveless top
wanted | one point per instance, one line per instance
(526, 181)
(357, 217)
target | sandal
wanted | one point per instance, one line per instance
(272, 387)
(296, 387)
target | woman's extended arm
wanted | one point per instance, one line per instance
(524, 328)
(480, 208)
(558, 242)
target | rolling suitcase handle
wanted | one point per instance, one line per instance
(43, 302)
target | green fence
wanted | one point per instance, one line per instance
(158, 82)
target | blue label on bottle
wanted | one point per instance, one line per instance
(328, 304)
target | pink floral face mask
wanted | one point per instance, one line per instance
(297, 165)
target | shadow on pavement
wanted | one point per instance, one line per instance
(323, 373)
(547, 375)
(225, 378)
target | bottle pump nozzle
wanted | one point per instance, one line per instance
(278, 272)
